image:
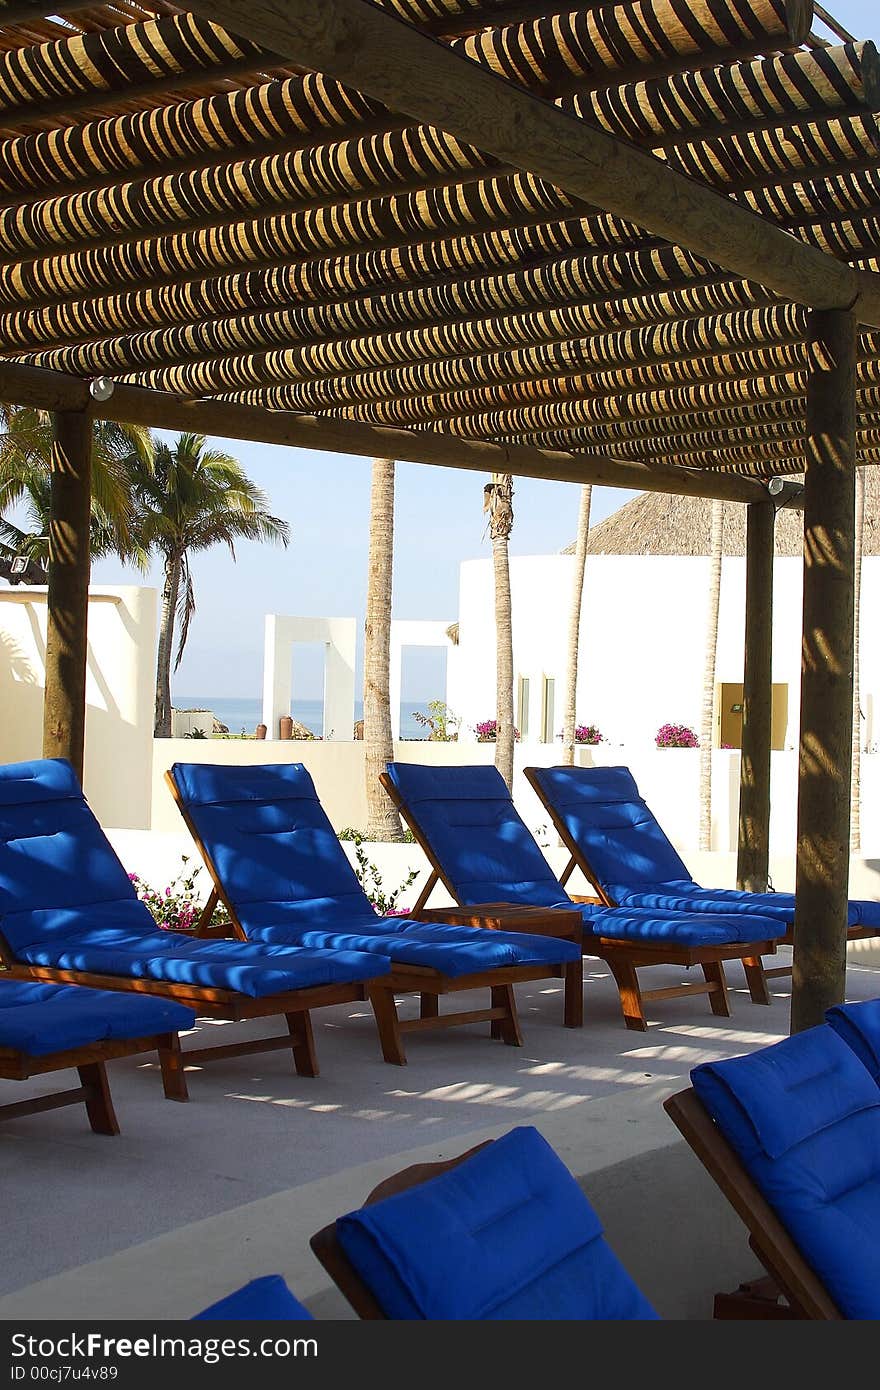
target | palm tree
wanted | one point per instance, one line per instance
(855, 837)
(191, 499)
(569, 714)
(707, 709)
(383, 821)
(498, 502)
(121, 454)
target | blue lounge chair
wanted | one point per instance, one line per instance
(859, 1026)
(482, 852)
(46, 1028)
(279, 868)
(262, 1300)
(69, 914)
(791, 1134)
(503, 1232)
(616, 841)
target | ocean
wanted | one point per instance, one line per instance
(241, 715)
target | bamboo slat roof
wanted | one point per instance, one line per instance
(183, 210)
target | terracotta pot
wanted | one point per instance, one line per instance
(260, 731)
(285, 726)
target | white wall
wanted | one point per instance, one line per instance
(120, 687)
(641, 642)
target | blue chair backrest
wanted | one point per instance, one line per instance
(477, 835)
(607, 818)
(273, 848)
(262, 1300)
(506, 1234)
(804, 1118)
(859, 1026)
(58, 871)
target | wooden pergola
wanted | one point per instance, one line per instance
(634, 244)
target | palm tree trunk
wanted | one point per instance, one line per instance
(569, 714)
(498, 500)
(707, 709)
(383, 821)
(170, 592)
(855, 835)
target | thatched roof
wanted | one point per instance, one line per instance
(654, 524)
(184, 207)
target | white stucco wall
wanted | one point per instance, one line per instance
(119, 693)
(642, 639)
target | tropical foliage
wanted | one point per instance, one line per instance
(440, 721)
(178, 906)
(121, 453)
(190, 499)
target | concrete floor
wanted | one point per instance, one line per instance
(192, 1200)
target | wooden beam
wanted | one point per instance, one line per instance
(753, 850)
(34, 386)
(64, 701)
(822, 873)
(27, 10)
(413, 73)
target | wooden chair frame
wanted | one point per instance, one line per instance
(94, 1088)
(788, 1274)
(623, 958)
(756, 972)
(224, 1004)
(326, 1246)
(403, 979)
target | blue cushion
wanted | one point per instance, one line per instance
(603, 812)
(40, 1019)
(633, 860)
(290, 880)
(58, 871)
(271, 842)
(477, 835)
(453, 950)
(859, 1026)
(488, 854)
(507, 1234)
(691, 929)
(804, 1118)
(173, 958)
(262, 1300)
(66, 902)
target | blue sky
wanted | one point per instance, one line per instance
(325, 498)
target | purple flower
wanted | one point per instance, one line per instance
(588, 733)
(676, 736)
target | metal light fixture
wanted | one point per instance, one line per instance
(102, 387)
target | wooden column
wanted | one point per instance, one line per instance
(64, 706)
(753, 853)
(826, 673)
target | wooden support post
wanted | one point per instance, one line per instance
(64, 705)
(825, 763)
(753, 853)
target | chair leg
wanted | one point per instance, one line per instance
(628, 987)
(756, 979)
(718, 997)
(304, 1055)
(429, 1006)
(388, 1025)
(573, 1015)
(99, 1103)
(504, 998)
(171, 1062)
